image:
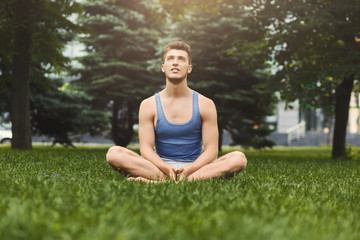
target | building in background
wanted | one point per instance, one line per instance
(312, 127)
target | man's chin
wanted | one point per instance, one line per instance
(176, 81)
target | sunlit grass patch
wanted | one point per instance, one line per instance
(57, 193)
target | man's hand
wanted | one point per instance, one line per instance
(173, 173)
(182, 174)
(178, 174)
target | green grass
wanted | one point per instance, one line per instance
(57, 193)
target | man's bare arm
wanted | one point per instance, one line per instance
(147, 136)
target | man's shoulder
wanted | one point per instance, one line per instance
(205, 101)
(148, 105)
(207, 107)
(148, 101)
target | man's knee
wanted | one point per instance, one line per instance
(238, 160)
(115, 152)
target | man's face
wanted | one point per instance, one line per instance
(176, 65)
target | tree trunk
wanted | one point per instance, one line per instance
(342, 103)
(122, 123)
(20, 87)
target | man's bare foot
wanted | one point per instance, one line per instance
(141, 179)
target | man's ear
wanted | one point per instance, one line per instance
(162, 68)
(190, 68)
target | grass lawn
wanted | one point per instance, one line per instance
(296, 193)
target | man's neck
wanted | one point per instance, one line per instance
(177, 90)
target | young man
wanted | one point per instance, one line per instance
(174, 126)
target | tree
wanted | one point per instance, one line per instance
(318, 59)
(61, 111)
(229, 68)
(20, 87)
(35, 35)
(123, 39)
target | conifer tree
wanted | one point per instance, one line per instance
(122, 41)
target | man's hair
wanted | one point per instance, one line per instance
(178, 45)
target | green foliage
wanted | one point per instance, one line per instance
(6, 41)
(351, 152)
(57, 193)
(122, 40)
(49, 29)
(314, 45)
(61, 112)
(179, 9)
(315, 52)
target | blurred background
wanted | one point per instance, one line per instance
(280, 72)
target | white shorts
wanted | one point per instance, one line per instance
(174, 163)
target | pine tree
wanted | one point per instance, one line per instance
(122, 40)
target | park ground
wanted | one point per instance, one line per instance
(284, 193)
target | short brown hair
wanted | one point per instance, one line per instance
(179, 45)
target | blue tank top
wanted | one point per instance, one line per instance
(178, 141)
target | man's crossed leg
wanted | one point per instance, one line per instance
(128, 162)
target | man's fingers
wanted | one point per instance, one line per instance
(178, 170)
(177, 174)
(181, 176)
(173, 175)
